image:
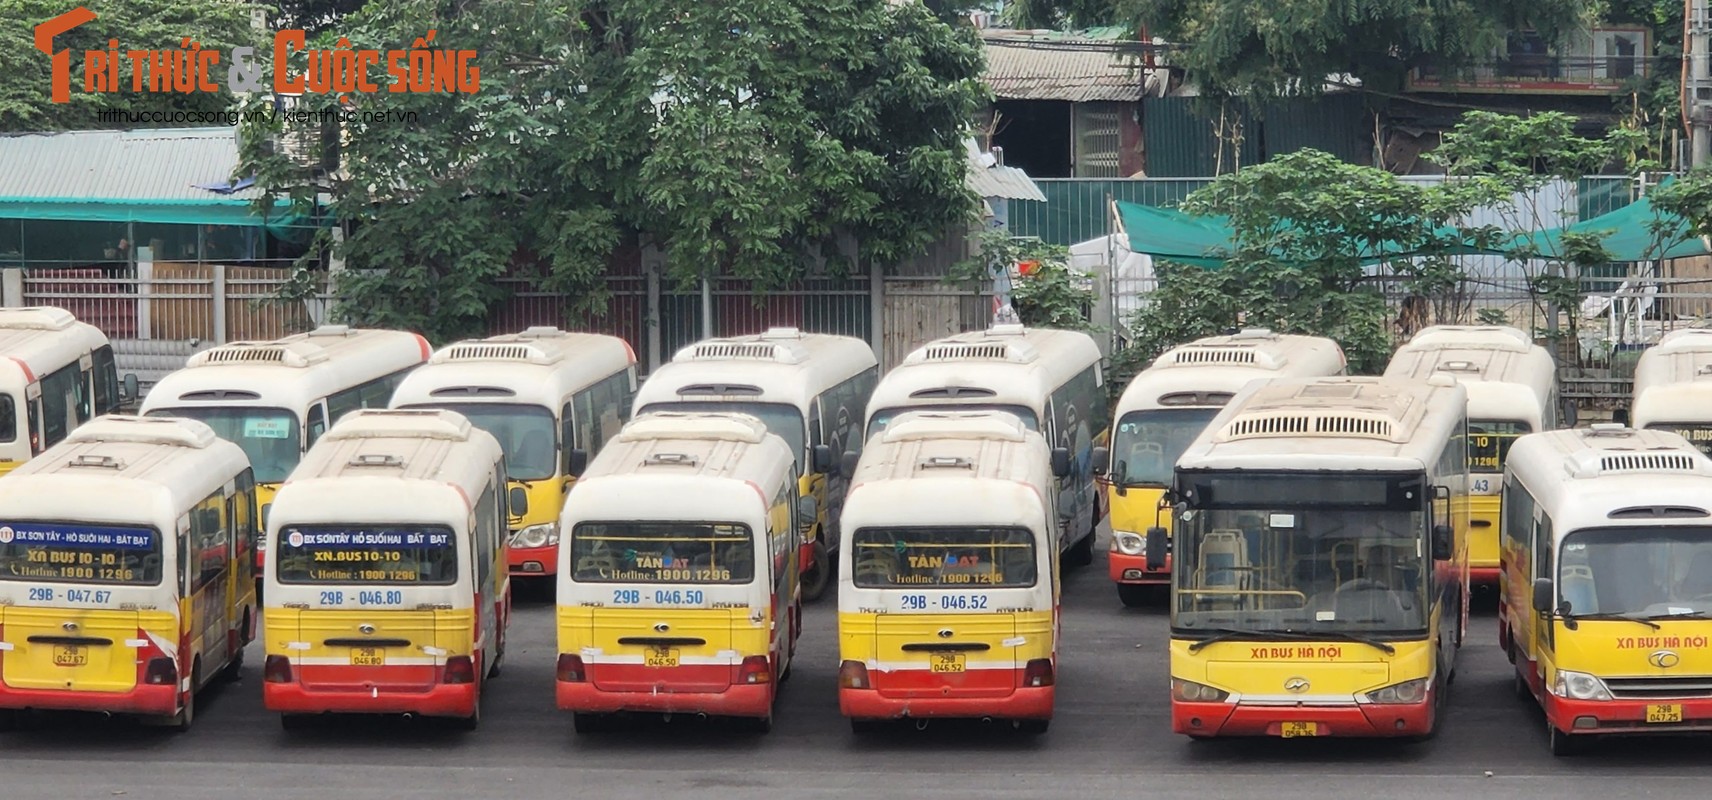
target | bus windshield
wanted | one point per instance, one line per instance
(418, 555)
(920, 558)
(783, 421)
(1636, 571)
(1302, 553)
(1147, 444)
(268, 436)
(1697, 433)
(1489, 443)
(662, 552)
(72, 552)
(526, 433)
(884, 416)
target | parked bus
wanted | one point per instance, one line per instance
(1673, 386)
(1050, 379)
(1608, 582)
(1512, 390)
(1161, 411)
(274, 399)
(948, 603)
(125, 582)
(679, 592)
(56, 373)
(388, 591)
(809, 389)
(1321, 586)
(551, 398)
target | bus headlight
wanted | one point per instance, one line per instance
(1411, 692)
(1579, 686)
(544, 535)
(1129, 544)
(1192, 692)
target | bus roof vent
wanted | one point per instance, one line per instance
(1611, 429)
(670, 460)
(491, 351)
(1254, 333)
(1007, 329)
(401, 423)
(1017, 352)
(286, 354)
(783, 352)
(705, 426)
(376, 460)
(36, 318)
(333, 330)
(95, 460)
(1241, 355)
(945, 462)
(169, 431)
(1339, 424)
(966, 425)
(541, 332)
(1646, 462)
(779, 334)
(1459, 366)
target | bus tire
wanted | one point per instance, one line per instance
(234, 669)
(473, 721)
(761, 726)
(1082, 552)
(1562, 744)
(818, 576)
(9, 719)
(585, 724)
(186, 716)
(295, 723)
(1033, 727)
(867, 727)
(1134, 595)
(1519, 684)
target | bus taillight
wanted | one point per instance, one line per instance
(571, 669)
(460, 669)
(853, 675)
(161, 672)
(277, 669)
(1038, 672)
(755, 669)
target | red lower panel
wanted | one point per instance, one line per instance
(1033, 703)
(735, 701)
(1226, 719)
(1133, 569)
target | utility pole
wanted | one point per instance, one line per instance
(1697, 83)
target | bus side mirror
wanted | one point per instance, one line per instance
(576, 461)
(1101, 456)
(847, 465)
(820, 461)
(1117, 482)
(1060, 462)
(1543, 595)
(806, 510)
(128, 388)
(1156, 544)
(518, 499)
(1443, 542)
(1571, 414)
(1620, 416)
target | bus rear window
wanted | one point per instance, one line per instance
(919, 558)
(417, 556)
(662, 552)
(73, 553)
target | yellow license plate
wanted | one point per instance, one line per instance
(947, 662)
(70, 655)
(1291, 730)
(368, 656)
(1665, 713)
(660, 657)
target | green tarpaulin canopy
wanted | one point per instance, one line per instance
(212, 211)
(1630, 233)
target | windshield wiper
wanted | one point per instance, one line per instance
(1350, 637)
(1571, 619)
(1227, 634)
(1681, 615)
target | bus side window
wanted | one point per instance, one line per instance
(626, 393)
(243, 516)
(208, 541)
(584, 420)
(106, 380)
(486, 534)
(568, 438)
(341, 403)
(609, 402)
(814, 422)
(8, 418)
(317, 425)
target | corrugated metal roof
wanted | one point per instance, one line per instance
(992, 180)
(161, 165)
(1023, 66)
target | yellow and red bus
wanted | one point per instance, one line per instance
(125, 570)
(1321, 585)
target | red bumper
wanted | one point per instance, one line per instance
(1365, 719)
(741, 700)
(454, 700)
(534, 561)
(1032, 703)
(1484, 576)
(1624, 716)
(144, 699)
(1133, 569)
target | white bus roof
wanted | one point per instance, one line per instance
(388, 465)
(41, 339)
(951, 468)
(1332, 423)
(1005, 364)
(782, 365)
(1221, 365)
(1612, 475)
(291, 372)
(541, 366)
(1673, 379)
(1508, 377)
(711, 466)
(123, 470)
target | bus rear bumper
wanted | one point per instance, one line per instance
(1625, 716)
(1352, 720)
(1026, 703)
(453, 700)
(747, 700)
(534, 562)
(146, 699)
(1133, 569)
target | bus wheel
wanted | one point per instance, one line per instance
(9, 719)
(472, 721)
(1563, 744)
(867, 727)
(818, 576)
(1133, 595)
(1519, 684)
(294, 723)
(187, 716)
(234, 669)
(498, 658)
(1081, 553)
(761, 726)
(1032, 727)
(591, 723)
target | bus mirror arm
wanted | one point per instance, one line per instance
(1543, 595)
(518, 499)
(821, 459)
(1443, 542)
(1060, 462)
(1101, 457)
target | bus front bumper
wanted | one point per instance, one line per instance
(737, 700)
(533, 562)
(1351, 720)
(445, 700)
(1025, 703)
(142, 699)
(1133, 569)
(1626, 716)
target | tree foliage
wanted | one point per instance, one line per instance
(25, 103)
(1045, 291)
(745, 141)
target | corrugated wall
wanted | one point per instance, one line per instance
(1075, 209)
(1181, 141)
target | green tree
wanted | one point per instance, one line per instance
(741, 141)
(25, 102)
(1048, 295)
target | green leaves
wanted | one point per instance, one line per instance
(1050, 295)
